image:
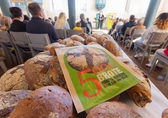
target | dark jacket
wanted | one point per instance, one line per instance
(18, 26)
(84, 24)
(39, 26)
(128, 24)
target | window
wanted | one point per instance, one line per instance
(57, 5)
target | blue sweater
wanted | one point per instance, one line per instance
(39, 26)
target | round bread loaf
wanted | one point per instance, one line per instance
(95, 35)
(77, 38)
(14, 79)
(55, 45)
(65, 41)
(165, 113)
(52, 49)
(56, 75)
(112, 110)
(112, 47)
(90, 39)
(83, 58)
(83, 35)
(74, 43)
(46, 102)
(8, 100)
(45, 53)
(37, 71)
(101, 40)
(93, 43)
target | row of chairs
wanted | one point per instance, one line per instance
(62, 33)
(20, 43)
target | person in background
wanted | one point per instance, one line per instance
(48, 21)
(62, 23)
(84, 23)
(52, 22)
(18, 25)
(130, 24)
(113, 27)
(37, 25)
(0, 19)
(78, 26)
(5, 23)
(160, 25)
(100, 19)
(26, 19)
(90, 25)
(139, 25)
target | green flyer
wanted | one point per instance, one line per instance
(94, 75)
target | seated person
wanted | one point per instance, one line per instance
(26, 19)
(130, 24)
(84, 23)
(18, 25)
(90, 25)
(160, 25)
(61, 22)
(5, 23)
(78, 26)
(37, 25)
(113, 27)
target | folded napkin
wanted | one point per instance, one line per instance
(166, 51)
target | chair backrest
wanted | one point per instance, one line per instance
(157, 39)
(138, 33)
(61, 33)
(5, 37)
(127, 31)
(19, 38)
(72, 32)
(84, 29)
(37, 42)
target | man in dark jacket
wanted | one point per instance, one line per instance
(37, 25)
(17, 25)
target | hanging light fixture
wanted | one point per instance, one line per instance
(100, 4)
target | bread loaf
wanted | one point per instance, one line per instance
(112, 110)
(83, 35)
(112, 47)
(46, 102)
(14, 79)
(37, 71)
(83, 58)
(56, 75)
(95, 35)
(101, 40)
(77, 38)
(74, 43)
(165, 113)
(45, 53)
(90, 39)
(65, 41)
(8, 100)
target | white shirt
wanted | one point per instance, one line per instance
(149, 31)
(118, 24)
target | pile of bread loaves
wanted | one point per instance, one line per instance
(37, 88)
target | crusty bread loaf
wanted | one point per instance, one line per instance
(84, 35)
(74, 43)
(37, 71)
(55, 45)
(90, 39)
(101, 39)
(165, 113)
(46, 102)
(112, 47)
(77, 38)
(45, 53)
(65, 41)
(112, 110)
(8, 100)
(14, 79)
(95, 35)
(56, 75)
(84, 58)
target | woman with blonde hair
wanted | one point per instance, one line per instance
(61, 22)
(160, 25)
(5, 23)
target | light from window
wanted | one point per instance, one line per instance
(57, 5)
